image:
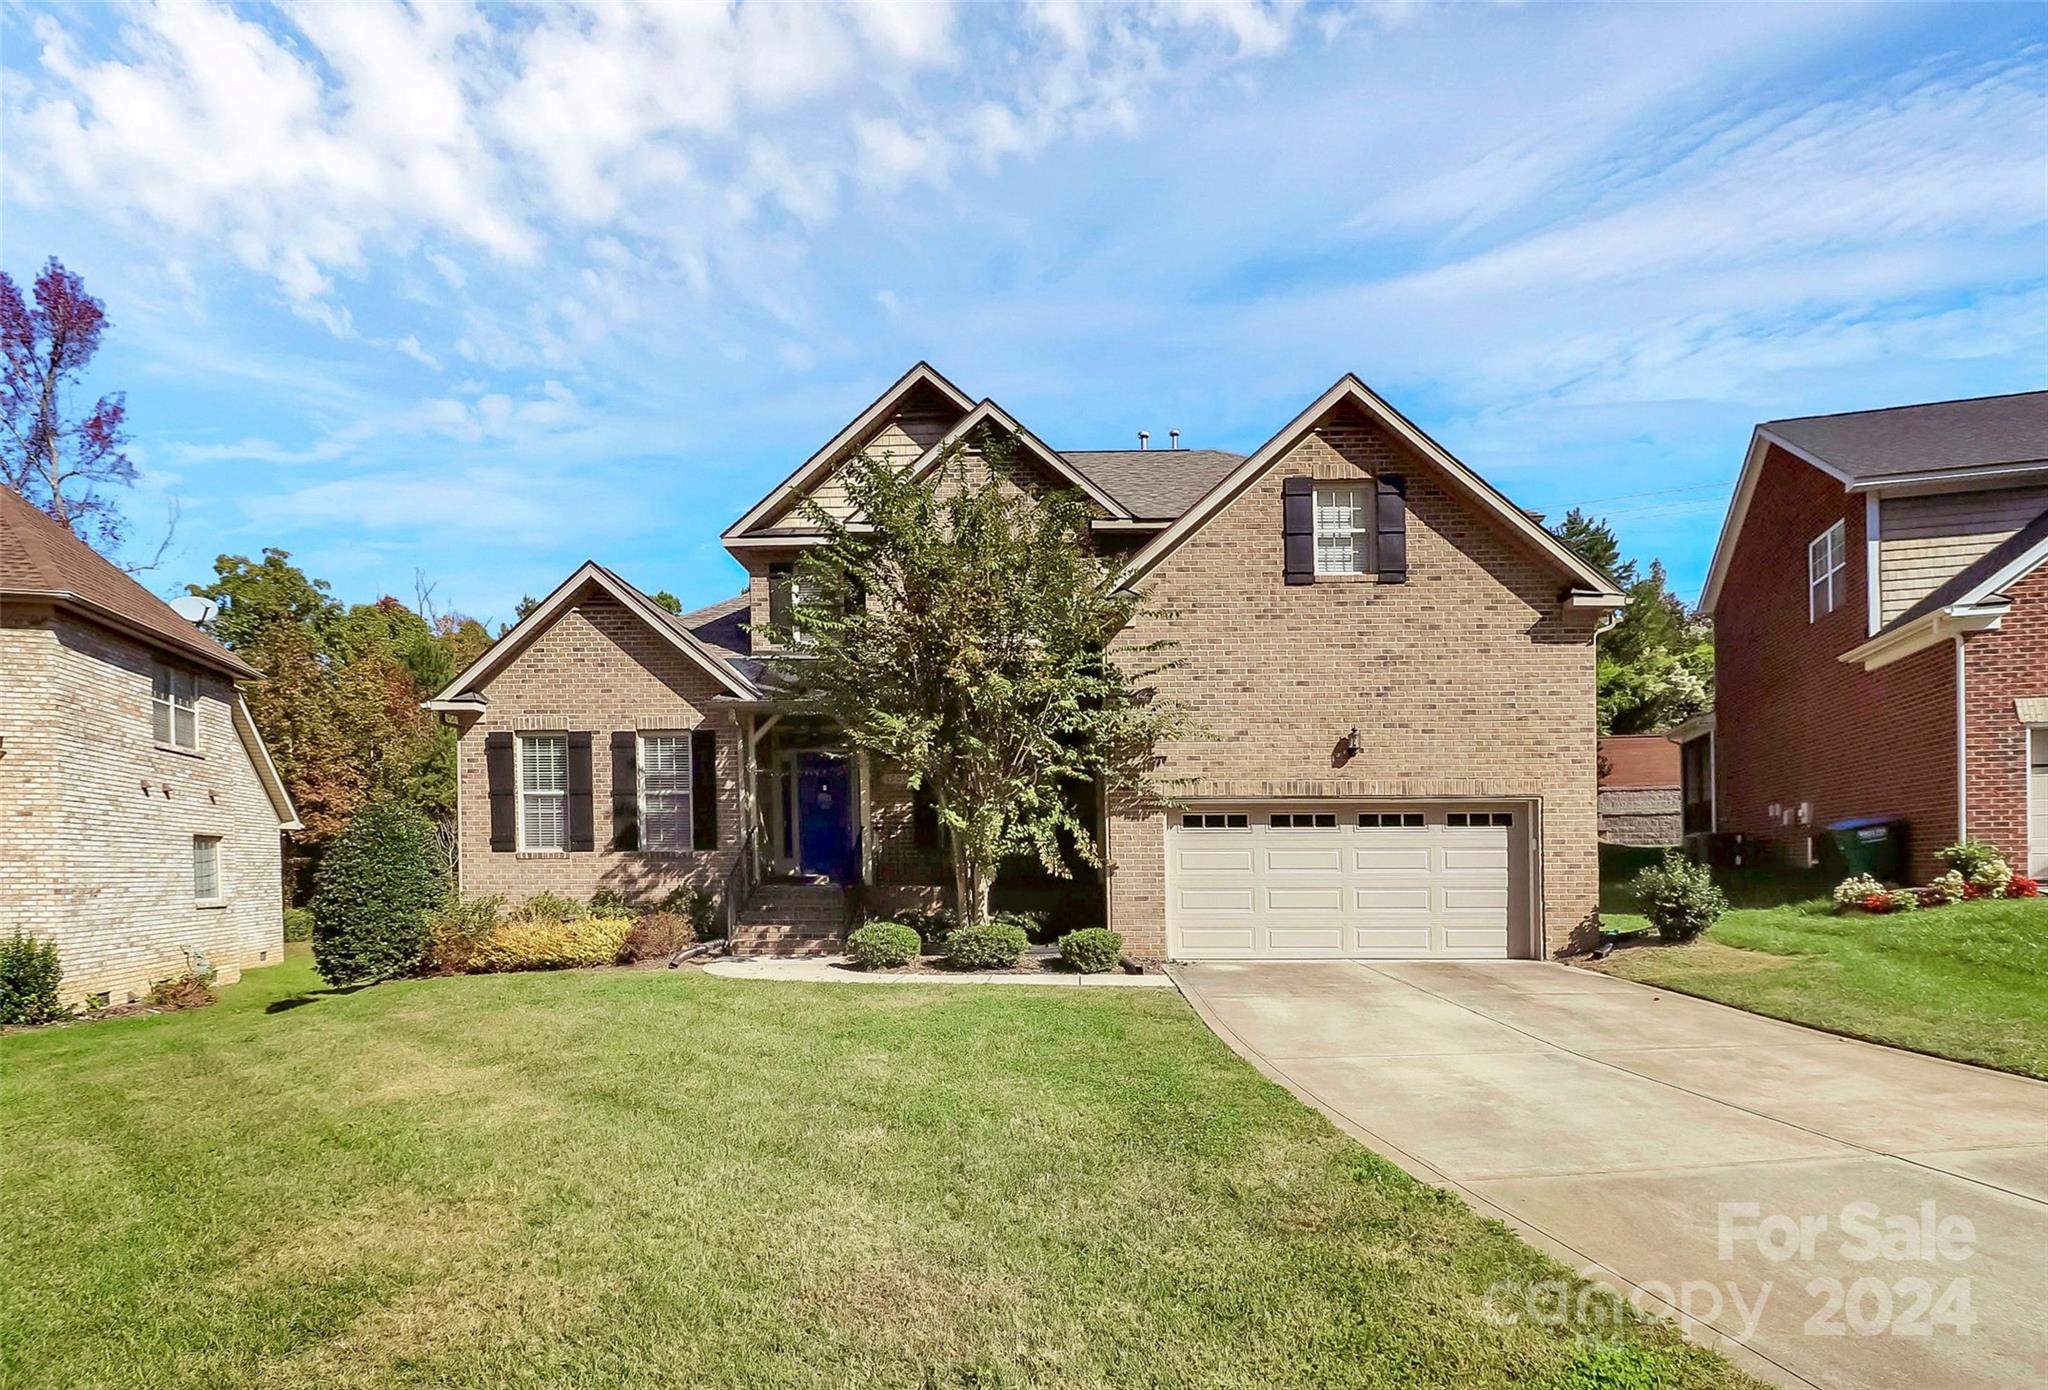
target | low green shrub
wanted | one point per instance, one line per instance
(883, 945)
(457, 928)
(1036, 925)
(29, 976)
(536, 944)
(550, 907)
(377, 884)
(656, 935)
(933, 926)
(1092, 950)
(1679, 897)
(610, 902)
(996, 945)
(298, 924)
(1968, 857)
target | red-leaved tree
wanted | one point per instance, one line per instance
(60, 460)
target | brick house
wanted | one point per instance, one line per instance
(139, 810)
(1880, 605)
(1391, 664)
(1639, 801)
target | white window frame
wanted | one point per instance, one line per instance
(1827, 568)
(647, 794)
(174, 699)
(210, 861)
(559, 795)
(1359, 532)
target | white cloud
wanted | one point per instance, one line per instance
(409, 345)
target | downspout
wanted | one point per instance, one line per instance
(1962, 745)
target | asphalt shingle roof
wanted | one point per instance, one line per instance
(1154, 484)
(40, 558)
(1987, 432)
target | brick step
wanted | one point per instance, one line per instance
(784, 941)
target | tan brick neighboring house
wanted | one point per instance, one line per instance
(1880, 605)
(1392, 667)
(139, 810)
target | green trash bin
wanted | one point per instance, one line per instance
(1874, 845)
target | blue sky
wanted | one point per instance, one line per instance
(484, 293)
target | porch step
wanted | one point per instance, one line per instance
(791, 919)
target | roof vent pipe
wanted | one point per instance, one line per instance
(1144, 440)
(1174, 435)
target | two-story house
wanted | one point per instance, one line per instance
(1391, 665)
(139, 810)
(1880, 606)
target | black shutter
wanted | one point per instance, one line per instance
(1298, 529)
(1391, 506)
(778, 595)
(498, 774)
(703, 789)
(625, 790)
(582, 835)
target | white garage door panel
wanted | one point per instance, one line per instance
(1361, 891)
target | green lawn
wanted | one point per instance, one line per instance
(613, 1178)
(1969, 981)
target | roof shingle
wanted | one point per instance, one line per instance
(1986, 432)
(1154, 484)
(41, 559)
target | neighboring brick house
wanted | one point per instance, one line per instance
(1880, 605)
(1391, 665)
(139, 810)
(1639, 803)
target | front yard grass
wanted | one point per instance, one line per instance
(1968, 981)
(624, 1178)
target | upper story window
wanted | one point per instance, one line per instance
(665, 791)
(543, 791)
(786, 592)
(1343, 515)
(1827, 571)
(174, 706)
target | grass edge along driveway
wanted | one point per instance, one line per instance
(625, 1178)
(1968, 982)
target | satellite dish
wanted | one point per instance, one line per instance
(194, 609)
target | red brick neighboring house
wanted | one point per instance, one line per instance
(1639, 803)
(1880, 605)
(1392, 664)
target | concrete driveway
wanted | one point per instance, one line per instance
(1826, 1212)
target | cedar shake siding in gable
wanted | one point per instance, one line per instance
(97, 820)
(1794, 725)
(1470, 680)
(598, 671)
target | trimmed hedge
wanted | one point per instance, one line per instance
(993, 946)
(543, 945)
(377, 885)
(29, 976)
(883, 945)
(1092, 950)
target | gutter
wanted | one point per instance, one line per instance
(1929, 630)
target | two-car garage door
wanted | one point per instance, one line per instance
(1321, 882)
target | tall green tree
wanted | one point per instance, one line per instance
(1656, 664)
(964, 633)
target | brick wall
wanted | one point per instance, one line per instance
(1472, 680)
(1792, 723)
(597, 669)
(2001, 666)
(97, 821)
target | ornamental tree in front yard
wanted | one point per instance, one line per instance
(961, 629)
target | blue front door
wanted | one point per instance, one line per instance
(824, 822)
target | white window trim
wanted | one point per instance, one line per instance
(220, 889)
(176, 675)
(1360, 531)
(1832, 548)
(520, 792)
(689, 812)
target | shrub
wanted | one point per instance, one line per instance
(29, 975)
(549, 907)
(193, 989)
(376, 886)
(1856, 891)
(995, 945)
(883, 945)
(1951, 887)
(457, 928)
(656, 935)
(1092, 950)
(298, 924)
(1679, 897)
(1966, 857)
(536, 944)
(610, 902)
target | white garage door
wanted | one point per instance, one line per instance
(1317, 882)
